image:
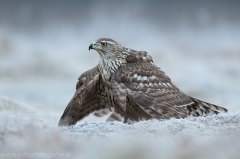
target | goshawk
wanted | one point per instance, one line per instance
(128, 83)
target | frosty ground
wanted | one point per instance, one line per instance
(24, 129)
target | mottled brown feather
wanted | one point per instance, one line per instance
(84, 101)
(128, 83)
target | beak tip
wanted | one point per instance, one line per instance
(90, 47)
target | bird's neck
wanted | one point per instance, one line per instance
(108, 67)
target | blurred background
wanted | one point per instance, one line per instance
(44, 45)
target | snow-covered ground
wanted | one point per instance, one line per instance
(44, 48)
(28, 132)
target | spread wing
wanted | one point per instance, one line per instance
(151, 89)
(84, 101)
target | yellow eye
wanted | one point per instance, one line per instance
(104, 44)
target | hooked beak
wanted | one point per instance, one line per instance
(92, 46)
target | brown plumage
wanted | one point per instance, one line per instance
(127, 83)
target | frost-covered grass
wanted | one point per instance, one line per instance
(24, 129)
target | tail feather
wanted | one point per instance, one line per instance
(115, 117)
(102, 113)
(201, 108)
(112, 116)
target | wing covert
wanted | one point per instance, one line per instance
(138, 57)
(150, 88)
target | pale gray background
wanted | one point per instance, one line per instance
(44, 45)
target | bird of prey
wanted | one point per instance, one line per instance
(127, 83)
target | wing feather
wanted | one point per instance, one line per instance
(84, 101)
(151, 88)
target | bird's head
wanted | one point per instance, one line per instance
(107, 48)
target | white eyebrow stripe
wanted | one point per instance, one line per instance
(109, 42)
